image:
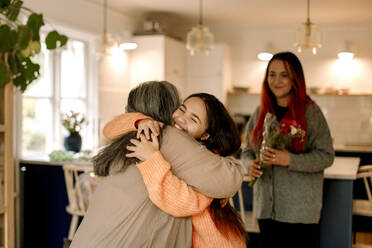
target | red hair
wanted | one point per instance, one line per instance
(297, 105)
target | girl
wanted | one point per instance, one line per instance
(288, 194)
(205, 119)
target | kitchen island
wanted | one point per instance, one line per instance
(335, 227)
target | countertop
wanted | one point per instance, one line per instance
(352, 148)
(343, 168)
(46, 161)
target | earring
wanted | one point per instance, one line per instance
(204, 136)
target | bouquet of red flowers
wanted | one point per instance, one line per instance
(279, 137)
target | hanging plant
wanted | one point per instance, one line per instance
(20, 42)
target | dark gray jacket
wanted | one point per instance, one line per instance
(293, 194)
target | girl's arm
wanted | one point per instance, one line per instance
(209, 173)
(122, 124)
(169, 193)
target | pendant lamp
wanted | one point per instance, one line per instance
(308, 36)
(200, 39)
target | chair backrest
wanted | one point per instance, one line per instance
(80, 183)
(365, 173)
(248, 217)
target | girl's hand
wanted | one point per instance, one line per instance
(144, 148)
(276, 157)
(254, 169)
(149, 124)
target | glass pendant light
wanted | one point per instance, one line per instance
(200, 39)
(109, 44)
(308, 36)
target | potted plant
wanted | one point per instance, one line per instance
(72, 121)
(20, 42)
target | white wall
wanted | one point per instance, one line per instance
(247, 70)
(210, 74)
(349, 117)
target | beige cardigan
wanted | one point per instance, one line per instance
(121, 214)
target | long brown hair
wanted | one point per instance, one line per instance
(224, 139)
(297, 104)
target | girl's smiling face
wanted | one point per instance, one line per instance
(191, 117)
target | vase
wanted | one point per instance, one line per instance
(73, 142)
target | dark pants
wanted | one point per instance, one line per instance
(281, 234)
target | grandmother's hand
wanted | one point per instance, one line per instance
(276, 157)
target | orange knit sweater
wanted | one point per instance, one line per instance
(174, 196)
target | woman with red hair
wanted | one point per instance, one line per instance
(288, 191)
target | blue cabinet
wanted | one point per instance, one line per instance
(44, 221)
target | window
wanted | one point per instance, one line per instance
(67, 82)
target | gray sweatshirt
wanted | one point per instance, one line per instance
(294, 194)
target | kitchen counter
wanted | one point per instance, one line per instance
(352, 148)
(343, 168)
(46, 161)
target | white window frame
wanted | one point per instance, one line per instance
(92, 96)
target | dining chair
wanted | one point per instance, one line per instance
(248, 216)
(80, 183)
(363, 207)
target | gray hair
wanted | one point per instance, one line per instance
(158, 99)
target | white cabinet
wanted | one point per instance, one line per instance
(210, 74)
(159, 57)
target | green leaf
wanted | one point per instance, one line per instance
(24, 36)
(4, 75)
(54, 40)
(13, 11)
(35, 47)
(8, 38)
(4, 3)
(35, 22)
(28, 72)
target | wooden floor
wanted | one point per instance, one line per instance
(361, 239)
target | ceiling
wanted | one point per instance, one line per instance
(260, 12)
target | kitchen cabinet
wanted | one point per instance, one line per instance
(6, 167)
(159, 57)
(45, 222)
(210, 73)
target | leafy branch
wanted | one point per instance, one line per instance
(20, 42)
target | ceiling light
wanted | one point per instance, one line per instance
(267, 53)
(128, 45)
(200, 39)
(264, 56)
(346, 53)
(127, 42)
(308, 36)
